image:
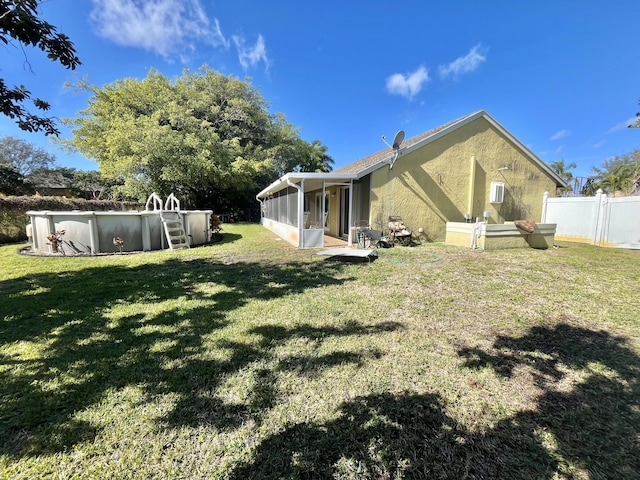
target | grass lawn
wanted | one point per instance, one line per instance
(251, 359)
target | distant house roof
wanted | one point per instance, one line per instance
(49, 179)
(368, 164)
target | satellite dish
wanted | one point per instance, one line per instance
(397, 140)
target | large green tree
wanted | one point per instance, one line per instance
(19, 22)
(92, 186)
(23, 156)
(206, 137)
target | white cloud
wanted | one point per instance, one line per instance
(251, 56)
(467, 64)
(166, 27)
(559, 150)
(622, 125)
(560, 134)
(407, 85)
(599, 144)
(217, 38)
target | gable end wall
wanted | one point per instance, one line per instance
(433, 184)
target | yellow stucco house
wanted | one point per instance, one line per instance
(470, 168)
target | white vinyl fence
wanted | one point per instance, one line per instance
(599, 220)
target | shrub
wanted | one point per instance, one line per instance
(14, 218)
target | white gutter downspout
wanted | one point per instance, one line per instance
(323, 217)
(472, 185)
(350, 212)
(261, 209)
(300, 209)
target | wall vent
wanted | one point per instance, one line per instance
(497, 192)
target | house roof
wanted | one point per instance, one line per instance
(49, 179)
(368, 164)
(383, 156)
(312, 180)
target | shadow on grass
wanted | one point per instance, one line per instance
(229, 238)
(81, 335)
(405, 435)
(589, 431)
(593, 426)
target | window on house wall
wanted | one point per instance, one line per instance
(497, 192)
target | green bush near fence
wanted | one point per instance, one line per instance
(14, 218)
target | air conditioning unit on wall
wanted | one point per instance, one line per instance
(497, 192)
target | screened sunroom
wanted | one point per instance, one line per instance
(302, 208)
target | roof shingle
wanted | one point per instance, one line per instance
(366, 162)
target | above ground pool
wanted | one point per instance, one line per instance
(94, 232)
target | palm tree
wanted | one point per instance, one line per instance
(313, 157)
(619, 174)
(618, 180)
(563, 172)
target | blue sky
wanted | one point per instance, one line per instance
(562, 76)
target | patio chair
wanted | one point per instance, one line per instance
(367, 237)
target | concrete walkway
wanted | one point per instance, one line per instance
(333, 242)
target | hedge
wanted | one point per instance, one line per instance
(14, 218)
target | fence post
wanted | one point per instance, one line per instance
(596, 232)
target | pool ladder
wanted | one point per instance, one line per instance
(174, 230)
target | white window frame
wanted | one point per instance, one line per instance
(497, 192)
